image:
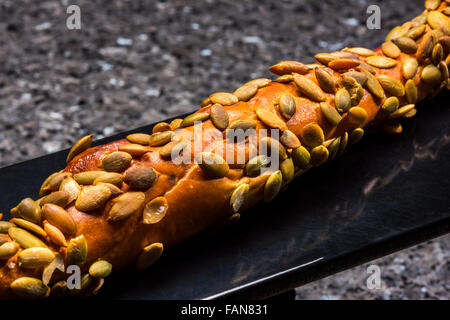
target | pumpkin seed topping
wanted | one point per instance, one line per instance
(259, 83)
(134, 149)
(407, 45)
(140, 177)
(374, 86)
(29, 210)
(24, 238)
(30, 288)
(416, 32)
(301, 157)
(357, 116)
(35, 257)
(155, 210)
(149, 255)
(312, 135)
(285, 67)
(77, 250)
(391, 85)
(287, 170)
(239, 196)
(390, 49)
(431, 74)
(246, 92)
(161, 127)
(325, 58)
(343, 64)
(219, 117)
(30, 226)
(60, 218)
(175, 124)
(100, 269)
(174, 147)
(343, 144)
(5, 225)
(330, 113)
(160, 138)
(381, 62)
(139, 138)
(92, 197)
(342, 100)
(8, 250)
(195, 117)
(287, 105)
(309, 88)
(55, 235)
(60, 198)
(390, 105)
(223, 98)
(273, 146)
(355, 136)
(270, 119)
(80, 146)
(87, 177)
(325, 80)
(410, 91)
(71, 187)
(360, 51)
(437, 20)
(117, 161)
(273, 186)
(402, 111)
(409, 68)
(213, 164)
(437, 54)
(289, 139)
(360, 77)
(256, 164)
(319, 155)
(425, 47)
(125, 205)
(285, 78)
(333, 148)
(243, 125)
(432, 4)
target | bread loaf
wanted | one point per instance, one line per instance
(127, 201)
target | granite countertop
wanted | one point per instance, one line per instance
(137, 62)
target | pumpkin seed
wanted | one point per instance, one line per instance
(343, 144)
(239, 196)
(360, 77)
(125, 205)
(367, 67)
(256, 164)
(309, 88)
(80, 146)
(115, 191)
(287, 105)
(8, 250)
(243, 125)
(92, 197)
(60, 198)
(354, 89)
(205, 102)
(289, 139)
(445, 43)
(325, 80)
(287, 170)
(410, 91)
(155, 210)
(173, 149)
(273, 147)
(446, 11)
(4, 238)
(160, 138)
(60, 218)
(259, 83)
(360, 51)
(87, 177)
(420, 19)
(273, 186)
(149, 255)
(390, 105)
(301, 157)
(100, 269)
(55, 235)
(432, 4)
(392, 128)
(391, 85)
(444, 71)
(117, 161)
(270, 119)
(213, 165)
(342, 100)
(355, 136)
(59, 289)
(333, 148)
(390, 49)
(161, 127)
(30, 226)
(381, 62)
(71, 187)
(223, 98)
(319, 155)
(195, 117)
(415, 32)
(246, 92)
(374, 86)
(86, 285)
(325, 58)
(312, 135)
(28, 209)
(77, 250)
(134, 149)
(437, 54)
(409, 68)
(431, 74)
(437, 20)
(5, 225)
(175, 124)
(284, 67)
(219, 117)
(110, 177)
(139, 138)
(402, 111)
(140, 177)
(285, 78)
(407, 45)
(35, 258)
(357, 116)
(425, 47)
(24, 238)
(395, 33)
(30, 288)
(330, 113)
(410, 113)
(49, 270)
(343, 64)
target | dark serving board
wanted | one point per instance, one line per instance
(386, 193)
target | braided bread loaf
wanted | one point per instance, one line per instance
(125, 201)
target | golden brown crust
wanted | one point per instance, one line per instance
(195, 200)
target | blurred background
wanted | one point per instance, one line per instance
(136, 62)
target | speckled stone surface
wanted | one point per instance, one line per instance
(137, 62)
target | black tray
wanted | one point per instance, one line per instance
(386, 193)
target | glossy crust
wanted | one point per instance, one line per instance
(197, 202)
